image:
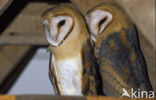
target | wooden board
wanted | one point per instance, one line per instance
(26, 27)
(48, 97)
(4, 4)
(147, 46)
(23, 39)
(12, 61)
(7, 97)
(28, 21)
(113, 98)
(9, 56)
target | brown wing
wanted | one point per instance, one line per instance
(121, 63)
(52, 76)
(90, 77)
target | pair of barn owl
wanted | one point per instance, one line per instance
(95, 55)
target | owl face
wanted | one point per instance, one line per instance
(98, 20)
(63, 24)
(106, 19)
(59, 24)
(57, 28)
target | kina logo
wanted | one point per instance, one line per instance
(137, 94)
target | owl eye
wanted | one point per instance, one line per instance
(58, 29)
(97, 22)
(61, 23)
(101, 22)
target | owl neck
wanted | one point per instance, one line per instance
(68, 50)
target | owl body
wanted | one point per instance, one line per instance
(120, 60)
(67, 69)
(67, 34)
(68, 72)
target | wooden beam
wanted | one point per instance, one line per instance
(23, 39)
(50, 97)
(113, 98)
(86, 5)
(4, 4)
(9, 57)
(12, 61)
(148, 47)
(26, 27)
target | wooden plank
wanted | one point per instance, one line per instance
(29, 19)
(86, 5)
(9, 57)
(12, 60)
(147, 46)
(113, 98)
(26, 27)
(23, 39)
(49, 97)
(4, 4)
(7, 97)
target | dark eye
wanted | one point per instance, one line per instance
(102, 21)
(61, 23)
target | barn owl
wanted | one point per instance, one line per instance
(73, 69)
(120, 60)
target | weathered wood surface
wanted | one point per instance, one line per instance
(113, 98)
(9, 57)
(28, 21)
(12, 57)
(136, 10)
(26, 27)
(12, 61)
(23, 39)
(48, 97)
(4, 4)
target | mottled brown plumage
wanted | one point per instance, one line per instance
(91, 78)
(120, 60)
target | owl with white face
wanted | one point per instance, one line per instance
(119, 58)
(73, 68)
